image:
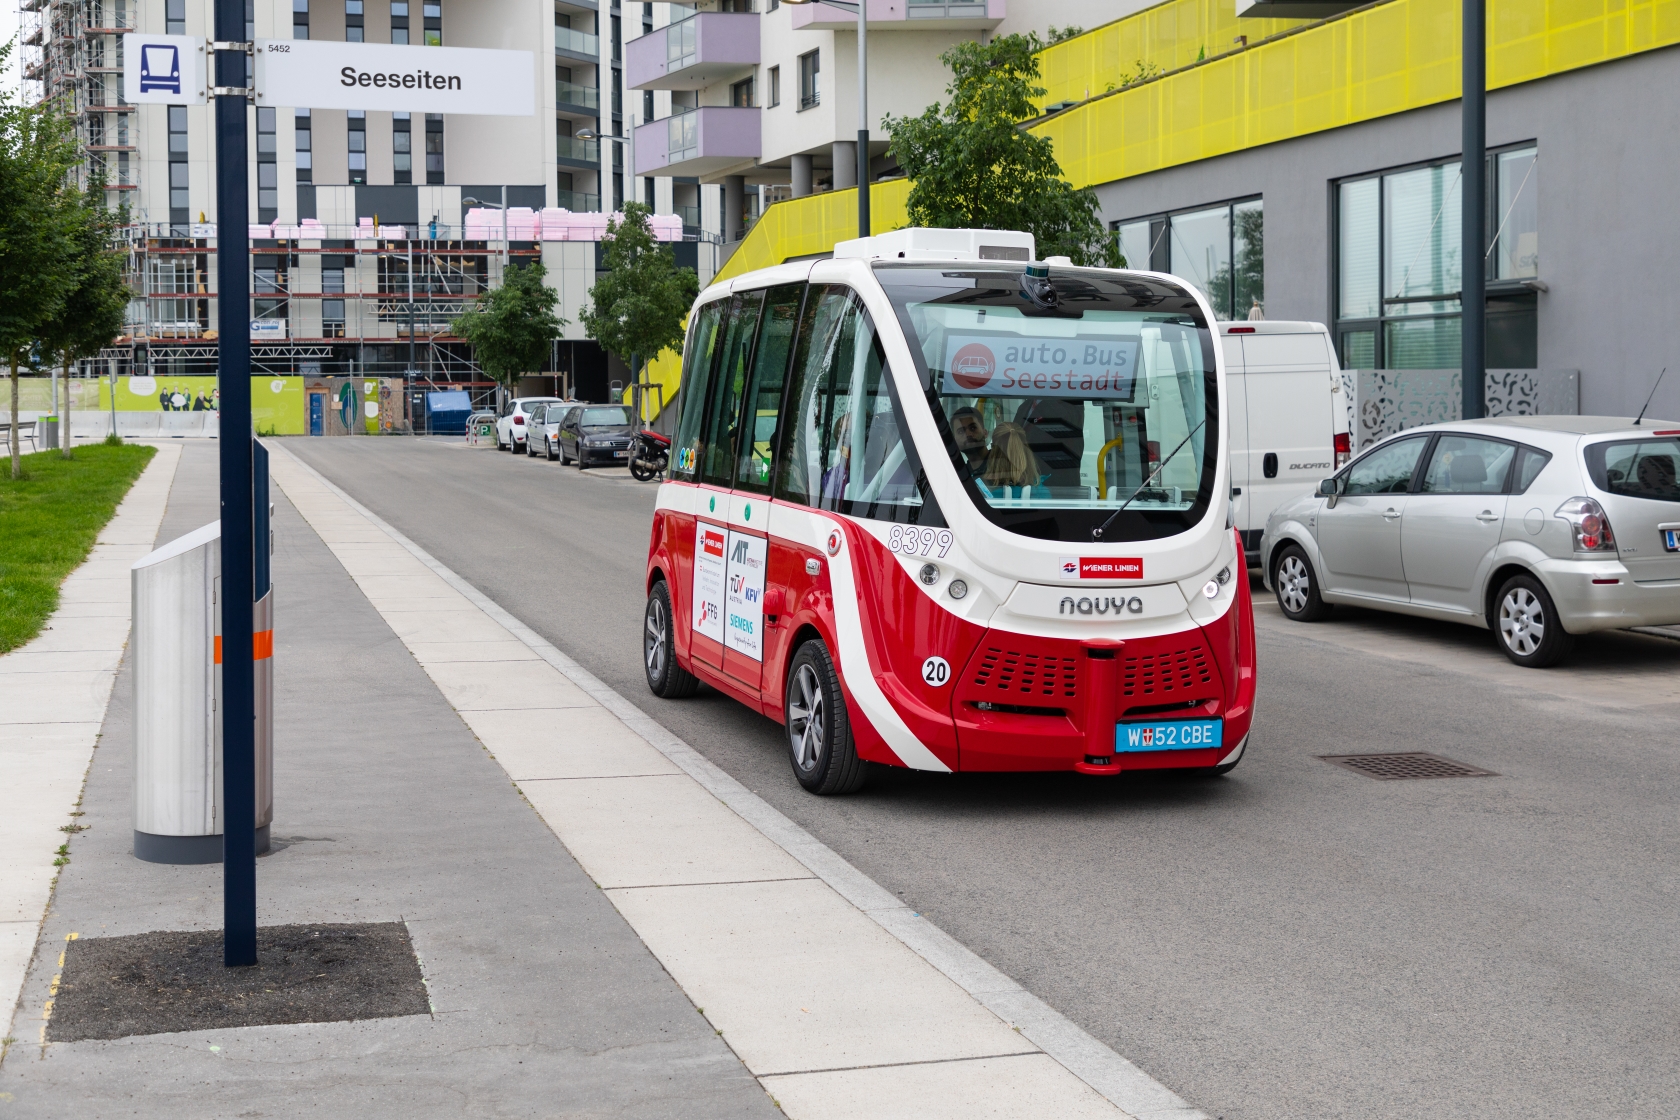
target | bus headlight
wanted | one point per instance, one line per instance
(929, 575)
(1211, 589)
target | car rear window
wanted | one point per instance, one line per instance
(1637, 468)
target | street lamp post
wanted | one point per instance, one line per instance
(1473, 176)
(629, 145)
(863, 104)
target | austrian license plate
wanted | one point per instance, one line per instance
(1671, 540)
(1169, 735)
(621, 454)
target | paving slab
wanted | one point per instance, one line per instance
(543, 1001)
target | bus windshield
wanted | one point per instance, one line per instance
(1061, 407)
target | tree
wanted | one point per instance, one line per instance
(37, 151)
(93, 311)
(512, 327)
(638, 303)
(972, 166)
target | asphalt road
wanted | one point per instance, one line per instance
(1293, 940)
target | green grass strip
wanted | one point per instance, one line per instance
(49, 520)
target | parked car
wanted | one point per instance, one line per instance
(1537, 527)
(516, 414)
(597, 434)
(542, 428)
(1289, 422)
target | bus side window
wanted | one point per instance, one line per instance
(769, 376)
(698, 356)
(723, 397)
(809, 405)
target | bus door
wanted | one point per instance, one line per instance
(751, 625)
(682, 535)
(713, 542)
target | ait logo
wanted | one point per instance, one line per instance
(739, 556)
(972, 366)
(834, 539)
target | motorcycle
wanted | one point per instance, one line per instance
(652, 456)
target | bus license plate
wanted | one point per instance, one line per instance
(1671, 540)
(1172, 735)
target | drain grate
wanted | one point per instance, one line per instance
(1406, 764)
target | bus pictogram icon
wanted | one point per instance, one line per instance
(160, 68)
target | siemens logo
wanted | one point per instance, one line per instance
(419, 79)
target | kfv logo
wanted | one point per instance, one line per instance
(739, 556)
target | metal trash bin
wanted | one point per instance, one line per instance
(177, 700)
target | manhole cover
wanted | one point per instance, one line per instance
(1406, 764)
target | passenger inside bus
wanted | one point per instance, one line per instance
(969, 428)
(1011, 462)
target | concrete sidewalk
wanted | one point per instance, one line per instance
(544, 1001)
(608, 924)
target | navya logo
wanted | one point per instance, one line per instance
(744, 625)
(160, 67)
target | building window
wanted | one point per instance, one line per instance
(810, 92)
(305, 145)
(647, 105)
(1399, 274)
(399, 21)
(353, 28)
(741, 94)
(1220, 249)
(180, 201)
(432, 12)
(268, 171)
(775, 87)
(175, 17)
(402, 149)
(300, 19)
(358, 145)
(434, 147)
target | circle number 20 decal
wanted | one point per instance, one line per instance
(936, 671)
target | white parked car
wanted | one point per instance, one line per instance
(1537, 527)
(511, 425)
(542, 428)
(1289, 424)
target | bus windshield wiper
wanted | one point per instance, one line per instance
(1096, 534)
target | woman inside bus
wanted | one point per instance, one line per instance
(1010, 463)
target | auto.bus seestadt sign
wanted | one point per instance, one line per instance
(312, 74)
(318, 74)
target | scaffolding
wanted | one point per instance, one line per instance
(73, 51)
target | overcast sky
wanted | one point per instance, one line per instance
(8, 27)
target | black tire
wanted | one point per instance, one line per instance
(665, 677)
(565, 460)
(1296, 586)
(548, 450)
(820, 744)
(529, 454)
(1525, 624)
(642, 472)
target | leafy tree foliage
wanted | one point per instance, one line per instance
(93, 310)
(637, 305)
(512, 327)
(37, 151)
(973, 167)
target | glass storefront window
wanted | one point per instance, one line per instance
(1360, 260)
(1201, 254)
(1518, 250)
(1421, 239)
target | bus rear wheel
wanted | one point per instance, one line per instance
(820, 744)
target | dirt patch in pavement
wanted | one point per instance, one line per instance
(154, 983)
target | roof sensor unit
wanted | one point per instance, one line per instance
(922, 244)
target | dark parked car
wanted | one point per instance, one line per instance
(597, 435)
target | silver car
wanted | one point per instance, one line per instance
(1537, 527)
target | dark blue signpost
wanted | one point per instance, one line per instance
(233, 346)
(1473, 175)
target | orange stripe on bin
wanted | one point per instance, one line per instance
(262, 646)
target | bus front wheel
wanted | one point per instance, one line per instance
(820, 742)
(665, 677)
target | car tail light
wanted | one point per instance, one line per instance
(1591, 527)
(519, 420)
(1344, 449)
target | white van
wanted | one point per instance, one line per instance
(1289, 423)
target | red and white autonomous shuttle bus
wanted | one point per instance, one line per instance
(935, 505)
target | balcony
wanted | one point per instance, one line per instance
(704, 141)
(904, 15)
(577, 201)
(575, 151)
(577, 44)
(704, 49)
(570, 95)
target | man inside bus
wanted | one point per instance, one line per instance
(970, 432)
